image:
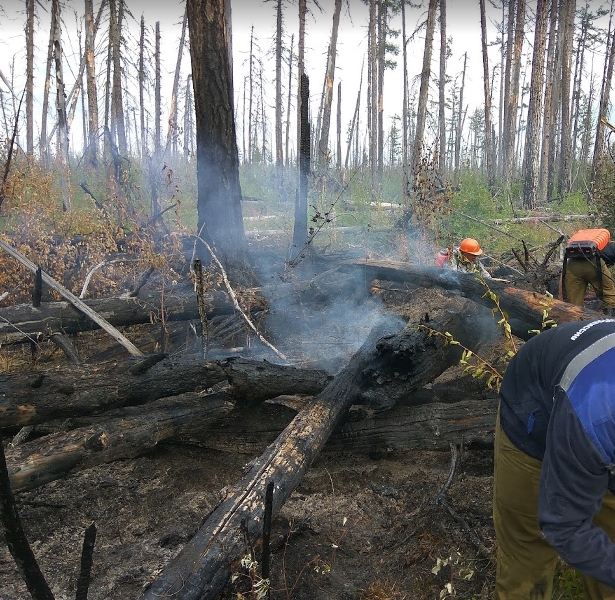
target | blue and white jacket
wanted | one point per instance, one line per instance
(558, 406)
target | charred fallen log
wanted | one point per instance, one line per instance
(23, 322)
(203, 567)
(31, 398)
(407, 426)
(525, 309)
(132, 434)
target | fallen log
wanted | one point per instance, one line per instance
(203, 567)
(133, 434)
(22, 322)
(525, 309)
(32, 398)
(407, 426)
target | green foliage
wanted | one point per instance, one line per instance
(567, 583)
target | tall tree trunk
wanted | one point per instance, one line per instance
(90, 71)
(288, 101)
(251, 95)
(404, 109)
(323, 143)
(381, 63)
(372, 89)
(188, 123)
(279, 154)
(353, 127)
(157, 96)
(61, 107)
(300, 226)
(118, 126)
(30, 77)
(142, 89)
(532, 135)
(487, 93)
(565, 160)
(45, 112)
(459, 132)
(300, 72)
(442, 90)
(579, 68)
(338, 161)
(511, 94)
(548, 125)
(173, 133)
(421, 117)
(220, 221)
(607, 79)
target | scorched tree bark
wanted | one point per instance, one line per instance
(220, 220)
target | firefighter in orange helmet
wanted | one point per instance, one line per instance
(467, 257)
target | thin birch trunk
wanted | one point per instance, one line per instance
(172, 133)
(188, 120)
(29, 77)
(565, 161)
(44, 146)
(61, 108)
(288, 105)
(460, 116)
(487, 94)
(90, 70)
(404, 110)
(279, 154)
(142, 89)
(323, 144)
(157, 97)
(442, 90)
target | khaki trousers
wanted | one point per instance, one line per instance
(525, 560)
(580, 273)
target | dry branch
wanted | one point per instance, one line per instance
(76, 302)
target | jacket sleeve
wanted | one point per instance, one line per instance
(572, 483)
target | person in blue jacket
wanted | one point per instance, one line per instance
(554, 472)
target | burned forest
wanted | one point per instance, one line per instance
(244, 353)
(344, 423)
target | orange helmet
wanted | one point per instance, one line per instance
(470, 246)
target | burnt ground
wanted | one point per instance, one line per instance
(357, 527)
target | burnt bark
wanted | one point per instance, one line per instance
(33, 398)
(132, 433)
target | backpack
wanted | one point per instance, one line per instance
(587, 243)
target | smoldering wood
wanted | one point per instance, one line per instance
(32, 398)
(525, 308)
(131, 433)
(23, 322)
(203, 567)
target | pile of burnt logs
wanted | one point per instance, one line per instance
(281, 414)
